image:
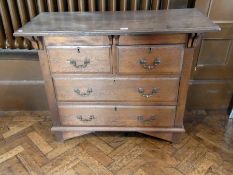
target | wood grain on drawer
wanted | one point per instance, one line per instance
(153, 39)
(116, 89)
(144, 59)
(108, 115)
(77, 40)
(81, 59)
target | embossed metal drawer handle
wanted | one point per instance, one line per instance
(84, 65)
(142, 119)
(145, 65)
(83, 94)
(153, 92)
(89, 118)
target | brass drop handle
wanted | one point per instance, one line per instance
(83, 94)
(89, 118)
(147, 66)
(154, 91)
(150, 119)
(75, 64)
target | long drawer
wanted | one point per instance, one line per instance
(75, 88)
(108, 115)
(150, 59)
(80, 59)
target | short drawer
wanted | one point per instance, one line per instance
(77, 40)
(116, 89)
(153, 39)
(162, 59)
(81, 59)
(108, 115)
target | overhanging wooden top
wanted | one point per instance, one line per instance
(118, 23)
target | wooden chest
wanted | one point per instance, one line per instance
(117, 71)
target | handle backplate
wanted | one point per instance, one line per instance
(154, 91)
(83, 94)
(76, 65)
(146, 120)
(146, 65)
(87, 119)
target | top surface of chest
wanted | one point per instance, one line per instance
(118, 23)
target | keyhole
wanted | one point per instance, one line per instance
(78, 50)
(149, 50)
(115, 108)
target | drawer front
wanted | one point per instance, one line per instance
(117, 89)
(153, 39)
(150, 59)
(81, 59)
(77, 40)
(84, 115)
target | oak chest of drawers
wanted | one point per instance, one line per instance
(117, 71)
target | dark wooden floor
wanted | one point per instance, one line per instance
(28, 147)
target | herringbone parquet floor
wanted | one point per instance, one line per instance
(28, 147)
